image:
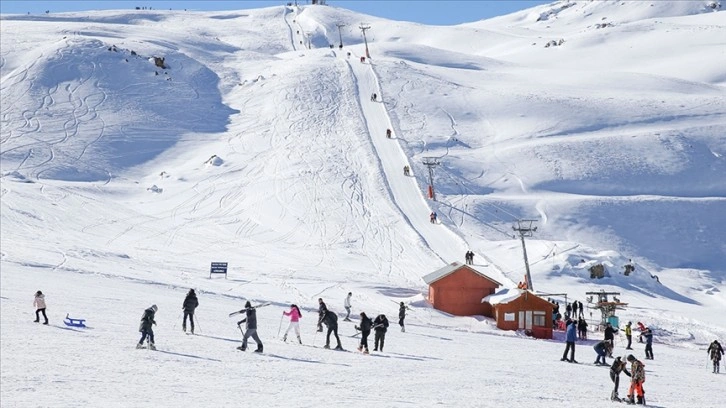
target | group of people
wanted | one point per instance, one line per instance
(469, 257)
(433, 217)
(380, 324)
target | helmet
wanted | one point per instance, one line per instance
(248, 304)
(631, 357)
(154, 308)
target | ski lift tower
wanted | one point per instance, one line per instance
(607, 307)
(431, 162)
(363, 28)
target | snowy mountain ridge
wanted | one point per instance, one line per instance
(258, 144)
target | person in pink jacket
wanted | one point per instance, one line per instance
(39, 304)
(295, 316)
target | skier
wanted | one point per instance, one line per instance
(365, 329)
(715, 351)
(637, 378)
(433, 217)
(615, 370)
(629, 335)
(568, 311)
(347, 306)
(190, 304)
(295, 316)
(574, 310)
(582, 310)
(380, 325)
(374, 97)
(602, 348)
(146, 329)
(388, 133)
(331, 320)
(570, 341)
(250, 321)
(406, 170)
(39, 303)
(648, 334)
(322, 310)
(402, 316)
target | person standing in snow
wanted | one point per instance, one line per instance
(582, 329)
(615, 370)
(648, 334)
(402, 316)
(380, 325)
(610, 335)
(570, 341)
(146, 327)
(346, 305)
(330, 319)
(629, 335)
(574, 310)
(582, 309)
(568, 312)
(602, 348)
(715, 351)
(295, 316)
(365, 330)
(39, 304)
(190, 304)
(322, 310)
(250, 321)
(637, 378)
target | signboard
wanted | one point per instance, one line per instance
(218, 267)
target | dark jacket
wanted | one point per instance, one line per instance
(322, 309)
(250, 318)
(610, 333)
(619, 366)
(648, 336)
(365, 324)
(715, 351)
(380, 324)
(190, 302)
(571, 333)
(602, 347)
(147, 320)
(330, 319)
(402, 312)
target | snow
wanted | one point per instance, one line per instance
(121, 182)
(503, 296)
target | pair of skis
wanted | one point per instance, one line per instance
(252, 307)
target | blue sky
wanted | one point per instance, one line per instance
(425, 12)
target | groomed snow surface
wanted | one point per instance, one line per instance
(259, 145)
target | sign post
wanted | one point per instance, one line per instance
(218, 267)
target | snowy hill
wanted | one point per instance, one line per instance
(255, 143)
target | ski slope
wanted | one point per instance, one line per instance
(258, 145)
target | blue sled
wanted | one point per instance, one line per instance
(74, 322)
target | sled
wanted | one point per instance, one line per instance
(69, 321)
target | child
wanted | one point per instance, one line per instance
(295, 315)
(147, 321)
(39, 304)
(637, 378)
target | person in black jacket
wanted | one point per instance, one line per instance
(146, 329)
(190, 304)
(365, 329)
(331, 320)
(250, 327)
(715, 351)
(402, 316)
(380, 325)
(610, 335)
(618, 366)
(322, 310)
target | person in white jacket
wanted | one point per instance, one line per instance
(39, 304)
(346, 304)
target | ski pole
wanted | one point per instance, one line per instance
(315, 337)
(198, 325)
(280, 327)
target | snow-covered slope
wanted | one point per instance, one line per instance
(259, 145)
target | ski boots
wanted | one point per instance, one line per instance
(152, 346)
(299, 339)
(365, 351)
(360, 348)
(139, 346)
(284, 338)
(327, 346)
(259, 349)
(338, 347)
(241, 348)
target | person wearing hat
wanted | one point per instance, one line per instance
(629, 335)
(715, 351)
(146, 329)
(619, 366)
(250, 321)
(637, 378)
(570, 337)
(39, 304)
(402, 316)
(190, 304)
(648, 334)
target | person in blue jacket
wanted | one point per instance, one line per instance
(602, 348)
(648, 334)
(570, 336)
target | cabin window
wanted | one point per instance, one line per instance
(539, 318)
(509, 317)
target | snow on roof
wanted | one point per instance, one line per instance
(449, 269)
(503, 296)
